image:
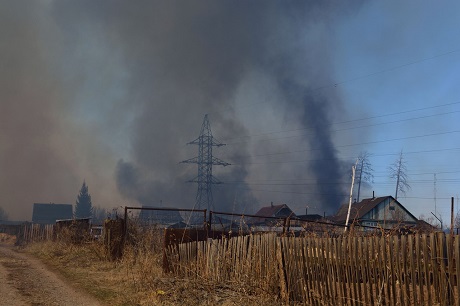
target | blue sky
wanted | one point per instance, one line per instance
(110, 93)
(396, 67)
(401, 60)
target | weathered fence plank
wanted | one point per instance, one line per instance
(406, 270)
(457, 267)
(426, 266)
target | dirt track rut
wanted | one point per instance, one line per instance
(24, 280)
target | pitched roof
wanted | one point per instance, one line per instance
(359, 209)
(48, 213)
(272, 210)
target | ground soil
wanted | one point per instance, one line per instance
(51, 273)
(24, 280)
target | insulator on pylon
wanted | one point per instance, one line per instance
(205, 160)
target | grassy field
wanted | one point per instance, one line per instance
(137, 279)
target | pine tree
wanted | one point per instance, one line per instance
(83, 205)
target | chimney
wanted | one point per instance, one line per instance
(271, 204)
(306, 210)
(373, 194)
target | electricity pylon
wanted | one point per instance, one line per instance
(205, 161)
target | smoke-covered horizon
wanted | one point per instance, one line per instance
(111, 92)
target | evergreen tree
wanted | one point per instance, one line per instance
(83, 205)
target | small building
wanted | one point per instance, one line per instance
(271, 216)
(76, 229)
(48, 213)
(385, 212)
(231, 224)
(277, 211)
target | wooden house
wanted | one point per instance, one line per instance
(270, 217)
(48, 213)
(385, 212)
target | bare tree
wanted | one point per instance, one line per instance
(363, 170)
(457, 222)
(398, 171)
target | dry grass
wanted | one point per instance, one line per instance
(7, 239)
(137, 279)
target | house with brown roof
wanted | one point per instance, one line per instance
(269, 214)
(278, 211)
(385, 212)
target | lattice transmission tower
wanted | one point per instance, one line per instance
(205, 160)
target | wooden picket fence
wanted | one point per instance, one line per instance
(388, 270)
(36, 232)
(243, 258)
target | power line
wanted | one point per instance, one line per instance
(372, 155)
(343, 146)
(344, 194)
(396, 67)
(353, 79)
(355, 127)
(412, 182)
(422, 173)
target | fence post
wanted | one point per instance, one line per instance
(209, 224)
(204, 219)
(279, 256)
(125, 225)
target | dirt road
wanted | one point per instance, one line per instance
(24, 280)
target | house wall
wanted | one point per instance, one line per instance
(284, 212)
(388, 210)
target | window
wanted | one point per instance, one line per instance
(392, 208)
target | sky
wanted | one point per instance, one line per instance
(111, 92)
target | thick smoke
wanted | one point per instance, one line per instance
(120, 87)
(31, 164)
(196, 57)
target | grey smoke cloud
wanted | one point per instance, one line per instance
(112, 91)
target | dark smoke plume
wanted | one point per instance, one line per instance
(101, 87)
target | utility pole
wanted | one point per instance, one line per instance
(353, 170)
(435, 191)
(452, 215)
(205, 160)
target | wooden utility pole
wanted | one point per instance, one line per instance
(353, 170)
(452, 215)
